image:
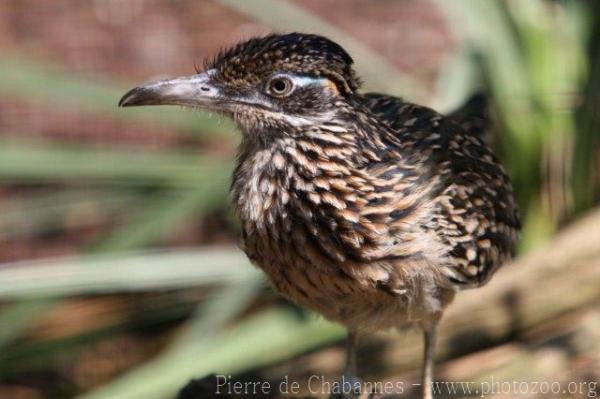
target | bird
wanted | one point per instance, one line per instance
(368, 209)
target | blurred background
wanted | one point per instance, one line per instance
(119, 274)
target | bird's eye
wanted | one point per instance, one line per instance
(280, 86)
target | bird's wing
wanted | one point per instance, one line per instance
(473, 212)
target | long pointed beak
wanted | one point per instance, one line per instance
(195, 91)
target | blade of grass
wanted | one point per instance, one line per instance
(18, 317)
(586, 178)
(134, 235)
(488, 33)
(159, 218)
(457, 81)
(263, 339)
(123, 272)
(62, 278)
(483, 28)
(207, 179)
(27, 79)
(28, 215)
(35, 161)
(219, 310)
(40, 353)
(556, 61)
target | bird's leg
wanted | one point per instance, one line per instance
(351, 385)
(350, 366)
(427, 376)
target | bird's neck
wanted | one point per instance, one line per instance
(272, 176)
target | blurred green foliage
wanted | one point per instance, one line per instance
(539, 60)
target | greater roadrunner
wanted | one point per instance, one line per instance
(363, 207)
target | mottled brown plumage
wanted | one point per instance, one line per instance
(363, 207)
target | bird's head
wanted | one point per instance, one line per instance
(268, 83)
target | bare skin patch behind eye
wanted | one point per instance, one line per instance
(305, 81)
(331, 86)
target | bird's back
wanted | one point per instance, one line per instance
(475, 215)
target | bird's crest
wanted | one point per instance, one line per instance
(251, 61)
